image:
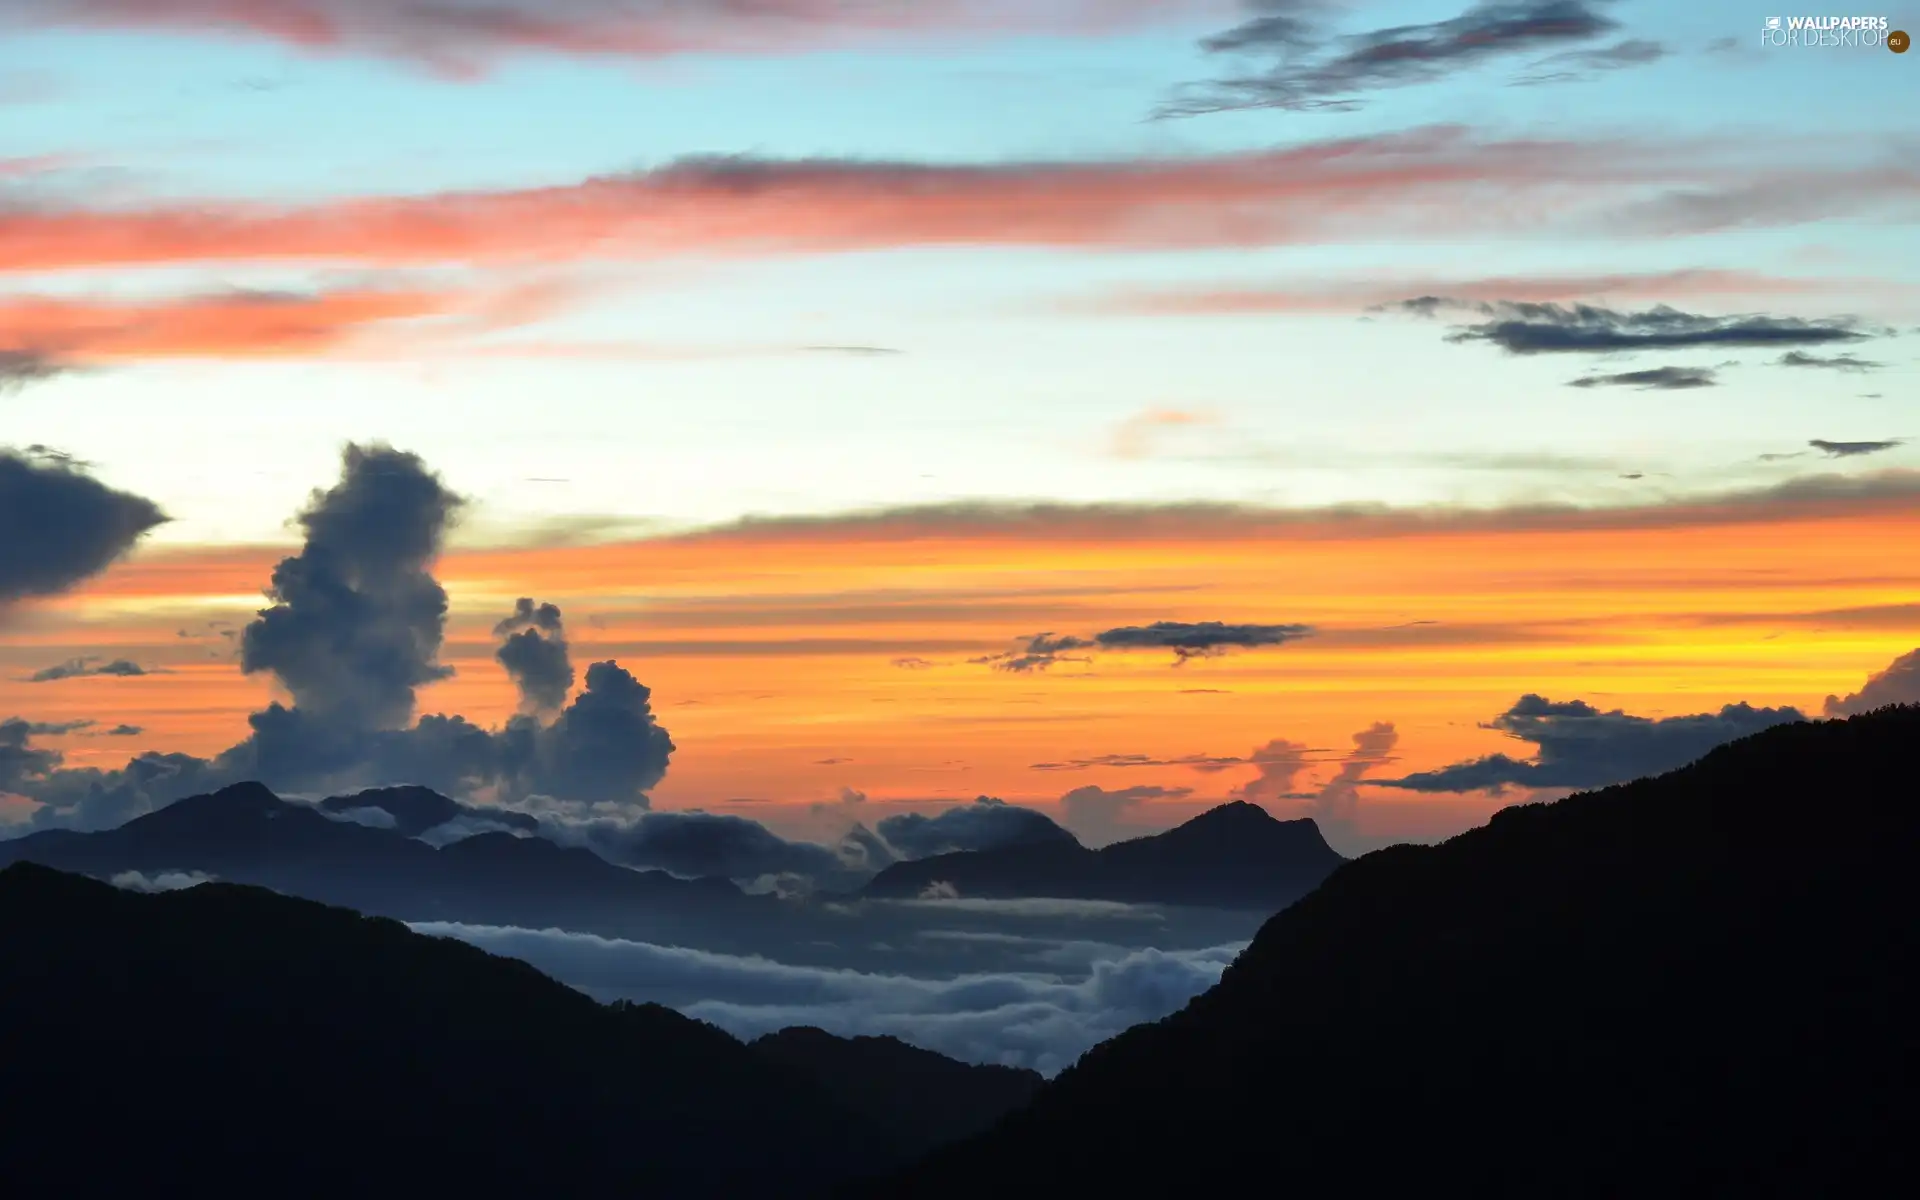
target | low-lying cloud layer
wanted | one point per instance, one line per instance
(1075, 996)
(166, 881)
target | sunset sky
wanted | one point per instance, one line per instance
(818, 357)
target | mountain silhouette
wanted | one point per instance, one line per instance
(920, 1098)
(225, 1040)
(331, 853)
(1233, 856)
(246, 834)
(1699, 984)
(415, 810)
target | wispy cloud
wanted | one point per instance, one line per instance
(1311, 68)
(1572, 66)
(1187, 639)
(1136, 436)
(1197, 762)
(1334, 804)
(19, 367)
(463, 39)
(1667, 379)
(49, 333)
(1430, 182)
(1049, 523)
(1526, 328)
(1831, 362)
(83, 668)
(1341, 296)
(1854, 449)
(1199, 639)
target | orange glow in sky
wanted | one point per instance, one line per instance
(797, 659)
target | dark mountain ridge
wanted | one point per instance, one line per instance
(1234, 856)
(246, 834)
(227, 1040)
(920, 1098)
(1701, 984)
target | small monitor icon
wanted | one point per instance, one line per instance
(1773, 22)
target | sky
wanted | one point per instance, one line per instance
(1382, 412)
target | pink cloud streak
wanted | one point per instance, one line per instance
(1438, 181)
(462, 38)
(242, 324)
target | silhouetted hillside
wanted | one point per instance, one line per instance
(245, 834)
(921, 1098)
(1701, 984)
(228, 1041)
(1233, 856)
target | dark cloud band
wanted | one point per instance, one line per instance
(1313, 69)
(1580, 746)
(59, 526)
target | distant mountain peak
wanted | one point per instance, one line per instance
(249, 792)
(251, 799)
(398, 789)
(416, 809)
(1235, 855)
(1240, 819)
(1235, 812)
(383, 796)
